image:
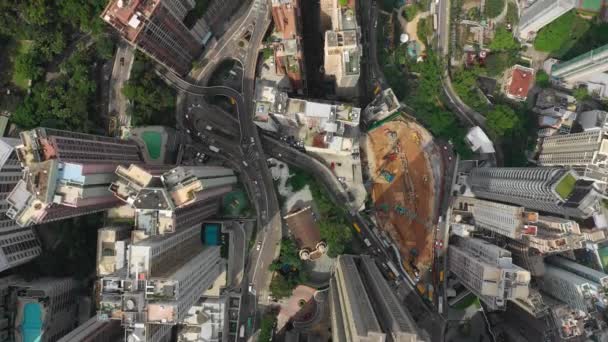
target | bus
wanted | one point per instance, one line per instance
(242, 331)
(393, 269)
(435, 22)
(357, 228)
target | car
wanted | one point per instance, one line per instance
(198, 154)
(122, 61)
(439, 244)
(252, 140)
(186, 116)
(188, 131)
(258, 246)
(251, 289)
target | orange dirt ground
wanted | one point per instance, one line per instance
(412, 187)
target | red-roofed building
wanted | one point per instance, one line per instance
(289, 57)
(519, 80)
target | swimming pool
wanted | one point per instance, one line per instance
(31, 327)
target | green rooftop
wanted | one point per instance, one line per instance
(565, 186)
(591, 5)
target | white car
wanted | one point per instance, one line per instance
(258, 246)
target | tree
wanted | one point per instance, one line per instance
(542, 79)
(105, 46)
(501, 120)
(280, 287)
(336, 234)
(503, 40)
(497, 63)
(410, 12)
(28, 65)
(266, 327)
(494, 8)
(581, 94)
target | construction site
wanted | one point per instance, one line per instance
(402, 171)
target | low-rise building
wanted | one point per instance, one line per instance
(519, 80)
(305, 231)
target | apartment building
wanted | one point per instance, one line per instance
(342, 49)
(504, 219)
(488, 271)
(550, 189)
(112, 243)
(95, 330)
(46, 309)
(586, 152)
(18, 245)
(165, 276)
(355, 285)
(540, 14)
(66, 174)
(157, 29)
(289, 55)
(180, 197)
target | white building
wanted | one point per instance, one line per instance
(46, 309)
(586, 152)
(487, 270)
(588, 69)
(540, 14)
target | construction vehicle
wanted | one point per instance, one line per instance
(421, 288)
(357, 228)
(399, 209)
(389, 177)
(391, 156)
(416, 138)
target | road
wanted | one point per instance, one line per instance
(118, 103)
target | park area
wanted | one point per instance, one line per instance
(403, 190)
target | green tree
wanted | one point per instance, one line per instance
(502, 120)
(266, 327)
(497, 63)
(104, 45)
(28, 65)
(542, 79)
(503, 40)
(581, 94)
(410, 12)
(280, 287)
(494, 8)
(559, 33)
(337, 235)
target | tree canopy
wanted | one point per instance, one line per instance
(502, 120)
(503, 40)
(494, 7)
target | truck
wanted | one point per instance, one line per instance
(367, 243)
(214, 149)
(440, 305)
(357, 228)
(208, 127)
(393, 269)
(242, 331)
(430, 292)
(441, 276)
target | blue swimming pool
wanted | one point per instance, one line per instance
(31, 327)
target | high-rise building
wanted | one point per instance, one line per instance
(540, 14)
(579, 293)
(18, 245)
(7, 311)
(586, 152)
(165, 276)
(95, 330)
(504, 219)
(582, 67)
(157, 28)
(363, 307)
(488, 271)
(342, 49)
(289, 57)
(551, 189)
(46, 309)
(112, 245)
(66, 174)
(180, 197)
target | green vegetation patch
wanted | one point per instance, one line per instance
(603, 252)
(153, 142)
(196, 13)
(20, 77)
(235, 203)
(565, 186)
(562, 34)
(409, 13)
(494, 8)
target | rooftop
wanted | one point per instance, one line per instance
(522, 79)
(127, 15)
(565, 186)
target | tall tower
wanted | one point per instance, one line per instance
(583, 67)
(586, 152)
(288, 53)
(342, 49)
(157, 28)
(66, 174)
(164, 277)
(487, 270)
(180, 197)
(18, 245)
(363, 307)
(540, 14)
(551, 189)
(46, 308)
